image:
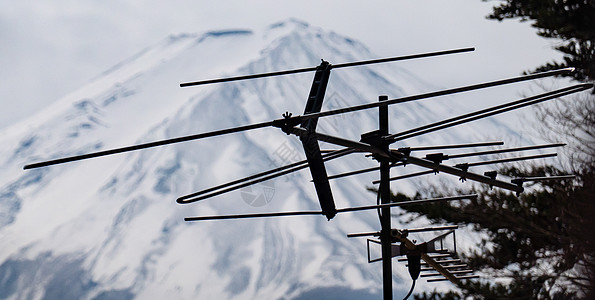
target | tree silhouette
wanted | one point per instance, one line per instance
(572, 22)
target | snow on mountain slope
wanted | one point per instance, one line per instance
(109, 228)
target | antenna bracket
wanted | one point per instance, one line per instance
(376, 138)
(287, 123)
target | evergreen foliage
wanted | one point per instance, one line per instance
(570, 21)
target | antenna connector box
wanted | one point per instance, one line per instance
(375, 138)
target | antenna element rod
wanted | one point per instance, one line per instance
(344, 65)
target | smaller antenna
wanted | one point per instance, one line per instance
(436, 255)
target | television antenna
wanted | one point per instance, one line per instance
(375, 143)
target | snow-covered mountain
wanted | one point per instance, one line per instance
(109, 228)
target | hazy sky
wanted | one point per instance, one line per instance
(50, 48)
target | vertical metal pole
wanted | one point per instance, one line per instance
(385, 236)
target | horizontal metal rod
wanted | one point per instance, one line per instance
(244, 77)
(337, 66)
(432, 256)
(404, 203)
(341, 175)
(436, 94)
(148, 145)
(498, 151)
(406, 57)
(434, 228)
(362, 234)
(484, 144)
(545, 178)
(323, 151)
(440, 255)
(377, 233)
(458, 278)
(446, 261)
(505, 160)
(254, 179)
(407, 176)
(451, 272)
(319, 212)
(447, 267)
(488, 112)
(251, 216)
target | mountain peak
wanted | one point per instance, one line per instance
(225, 33)
(289, 22)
